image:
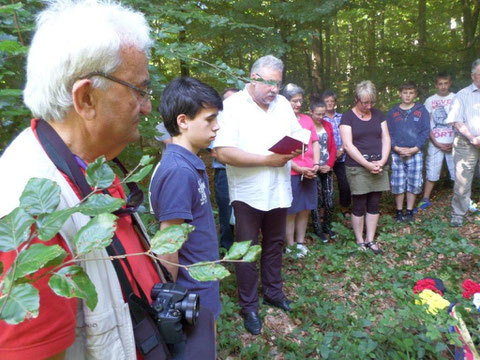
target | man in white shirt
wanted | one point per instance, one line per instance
(465, 113)
(259, 181)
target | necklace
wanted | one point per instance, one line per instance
(359, 113)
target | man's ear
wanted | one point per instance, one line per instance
(182, 122)
(83, 99)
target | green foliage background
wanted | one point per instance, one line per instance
(324, 44)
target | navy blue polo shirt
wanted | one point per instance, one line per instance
(179, 190)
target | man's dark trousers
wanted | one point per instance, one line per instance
(224, 209)
(272, 224)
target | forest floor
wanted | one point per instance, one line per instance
(357, 305)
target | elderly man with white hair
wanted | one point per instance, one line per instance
(88, 88)
(465, 114)
(259, 181)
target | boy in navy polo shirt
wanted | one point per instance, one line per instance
(409, 127)
(179, 189)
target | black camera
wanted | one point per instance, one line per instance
(174, 308)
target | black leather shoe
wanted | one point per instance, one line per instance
(252, 322)
(283, 304)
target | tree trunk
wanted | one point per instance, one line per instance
(371, 45)
(328, 56)
(184, 69)
(422, 23)
(470, 10)
(317, 55)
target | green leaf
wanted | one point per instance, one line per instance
(10, 92)
(12, 47)
(96, 234)
(100, 203)
(170, 239)
(40, 196)
(10, 8)
(36, 257)
(15, 229)
(23, 302)
(48, 226)
(205, 271)
(99, 174)
(1, 268)
(139, 175)
(145, 160)
(237, 250)
(72, 281)
(253, 253)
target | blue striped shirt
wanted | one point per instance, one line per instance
(466, 109)
(335, 121)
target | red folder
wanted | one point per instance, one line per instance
(286, 145)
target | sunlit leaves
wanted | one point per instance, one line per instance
(38, 256)
(72, 281)
(206, 271)
(140, 175)
(49, 225)
(99, 174)
(22, 302)
(96, 234)
(170, 239)
(237, 250)
(145, 160)
(40, 196)
(100, 203)
(253, 253)
(15, 229)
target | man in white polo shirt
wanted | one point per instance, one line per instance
(259, 181)
(465, 113)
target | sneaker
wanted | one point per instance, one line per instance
(472, 207)
(422, 205)
(332, 234)
(409, 216)
(456, 221)
(302, 249)
(294, 252)
(399, 216)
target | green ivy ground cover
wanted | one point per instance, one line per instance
(352, 305)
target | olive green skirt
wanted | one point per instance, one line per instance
(361, 181)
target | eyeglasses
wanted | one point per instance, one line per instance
(297, 101)
(271, 83)
(365, 103)
(144, 94)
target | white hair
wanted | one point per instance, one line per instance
(72, 39)
(366, 88)
(267, 61)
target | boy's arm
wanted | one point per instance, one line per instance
(172, 258)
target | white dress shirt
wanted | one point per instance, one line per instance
(466, 109)
(244, 125)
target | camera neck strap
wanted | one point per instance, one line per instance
(65, 161)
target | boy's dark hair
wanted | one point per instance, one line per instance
(409, 85)
(233, 89)
(186, 95)
(316, 102)
(443, 75)
(328, 93)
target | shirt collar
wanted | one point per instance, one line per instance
(473, 88)
(190, 157)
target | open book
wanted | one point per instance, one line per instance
(291, 143)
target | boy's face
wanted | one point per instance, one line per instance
(318, 114)
(443, 86)
(408, 96)
(201, 129)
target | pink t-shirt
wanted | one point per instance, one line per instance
(307, 123)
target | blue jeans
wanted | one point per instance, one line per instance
(224, 208)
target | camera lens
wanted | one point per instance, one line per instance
(190, 306)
